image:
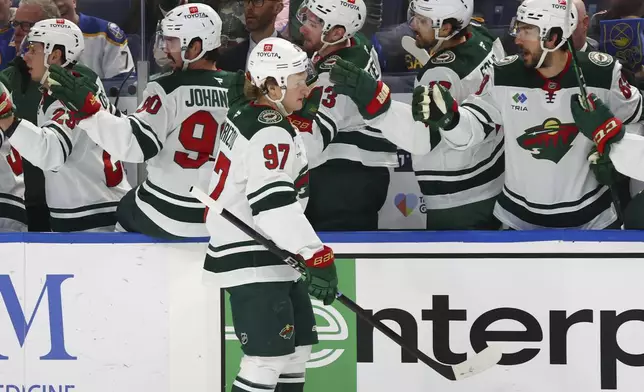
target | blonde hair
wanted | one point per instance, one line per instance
(253, 92)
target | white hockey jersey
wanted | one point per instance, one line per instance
(83, 184)
(548, 183)
(13, 216)
(447, 177)
(260, 176)
(106, 51)
(340, 131)
(174, 130)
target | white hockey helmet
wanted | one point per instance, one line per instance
(277, 58)
(52, 32)
(438, 11)
(547, 15)
(350, 14)
(190, 21)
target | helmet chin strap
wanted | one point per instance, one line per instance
(326, 44)
(187, 62)
(278, 103)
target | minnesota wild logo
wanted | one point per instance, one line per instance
(287, 331)
(550, 141)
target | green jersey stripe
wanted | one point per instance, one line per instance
(364, 142)
(274, 200)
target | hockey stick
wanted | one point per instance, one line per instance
(581, 81)
(484, 360)
(409, 44)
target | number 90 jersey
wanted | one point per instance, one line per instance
(174, 130)
(260, 176)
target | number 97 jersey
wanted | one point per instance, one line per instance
(260, 176)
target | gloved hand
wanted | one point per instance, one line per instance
(372, 97)
(78, 93)
(602, 167)
(434, 106)
(321, 276)
(598, 124)
(7, 109)
(303, 118)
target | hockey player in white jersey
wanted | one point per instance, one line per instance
(174, 130)
(459, 186)
(83, 184)
(548, 183)
(13, 215)
(356, 157)
(261, 176)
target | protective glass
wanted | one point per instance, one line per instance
(167, 44)
(524, 31)
(307, 17)
(311, 73)
(415, 19)
(30, 47)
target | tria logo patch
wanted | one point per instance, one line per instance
(193, 10)
(268, 47)
(550, 141)
(519, 99)
(60, 21)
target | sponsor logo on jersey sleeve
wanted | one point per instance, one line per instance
(549, 141)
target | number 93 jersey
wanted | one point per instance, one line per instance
(260, 176)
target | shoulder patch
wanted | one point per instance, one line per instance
(114, 32)
(270, 117)
(507, 60)
(444, 58)
(600, 59)
(329, 63)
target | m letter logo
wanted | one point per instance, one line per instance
(21, 325)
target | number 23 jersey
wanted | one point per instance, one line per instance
(260, 176)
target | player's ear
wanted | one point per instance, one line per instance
(56, 56)
(336, 33)
(193, 49)
(553, 38)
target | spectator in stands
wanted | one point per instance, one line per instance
(260, 16)
(619, 9)
(26, 97)
(106, 51)
(281, 22)
(7, 49)
(580, 38)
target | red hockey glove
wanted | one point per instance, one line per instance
(321, 276)
(598, 124)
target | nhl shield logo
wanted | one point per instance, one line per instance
(550, 141)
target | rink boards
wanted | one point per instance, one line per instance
(78, 313)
